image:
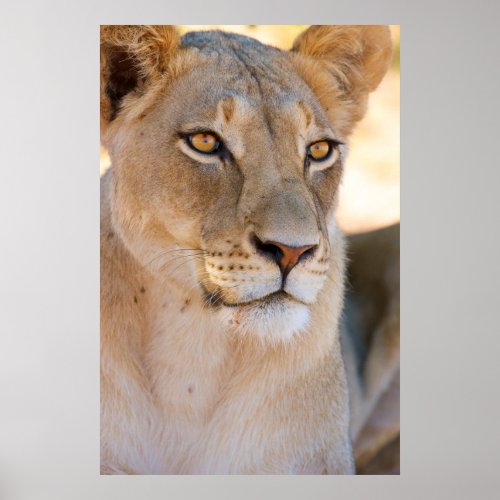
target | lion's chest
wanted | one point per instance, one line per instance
(190, 363)
(210, 417)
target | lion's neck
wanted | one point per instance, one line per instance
(197, 346)
(188, 348)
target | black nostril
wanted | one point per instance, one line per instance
(268, 249)
(307, 253)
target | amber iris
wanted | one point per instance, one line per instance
(319, 150)
(204, 142)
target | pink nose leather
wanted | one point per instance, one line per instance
(290, 255)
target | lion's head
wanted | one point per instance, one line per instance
(234, 150)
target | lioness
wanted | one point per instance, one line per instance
(222, 267)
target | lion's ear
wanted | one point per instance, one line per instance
(132, 57)
(344, 63)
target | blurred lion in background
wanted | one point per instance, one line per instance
(223, 345)
(370, 339)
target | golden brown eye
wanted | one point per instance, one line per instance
(204, 142)
(319, 150)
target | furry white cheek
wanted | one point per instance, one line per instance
(305, 290)
(271, 323)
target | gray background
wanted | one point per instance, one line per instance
(49, 265)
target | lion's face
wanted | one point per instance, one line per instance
(236, 164)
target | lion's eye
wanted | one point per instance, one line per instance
(204, 142)
(319, 150)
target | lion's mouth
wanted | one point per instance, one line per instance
(215, 299)
(278, 296)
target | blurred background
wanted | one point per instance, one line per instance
(369, 196)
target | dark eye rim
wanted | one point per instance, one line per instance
(187, 136)
(333, 145)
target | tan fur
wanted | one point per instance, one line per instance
(202, 370)
(344, 65)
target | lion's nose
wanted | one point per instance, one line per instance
(286, 256)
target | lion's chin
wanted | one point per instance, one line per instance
(274, 319)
